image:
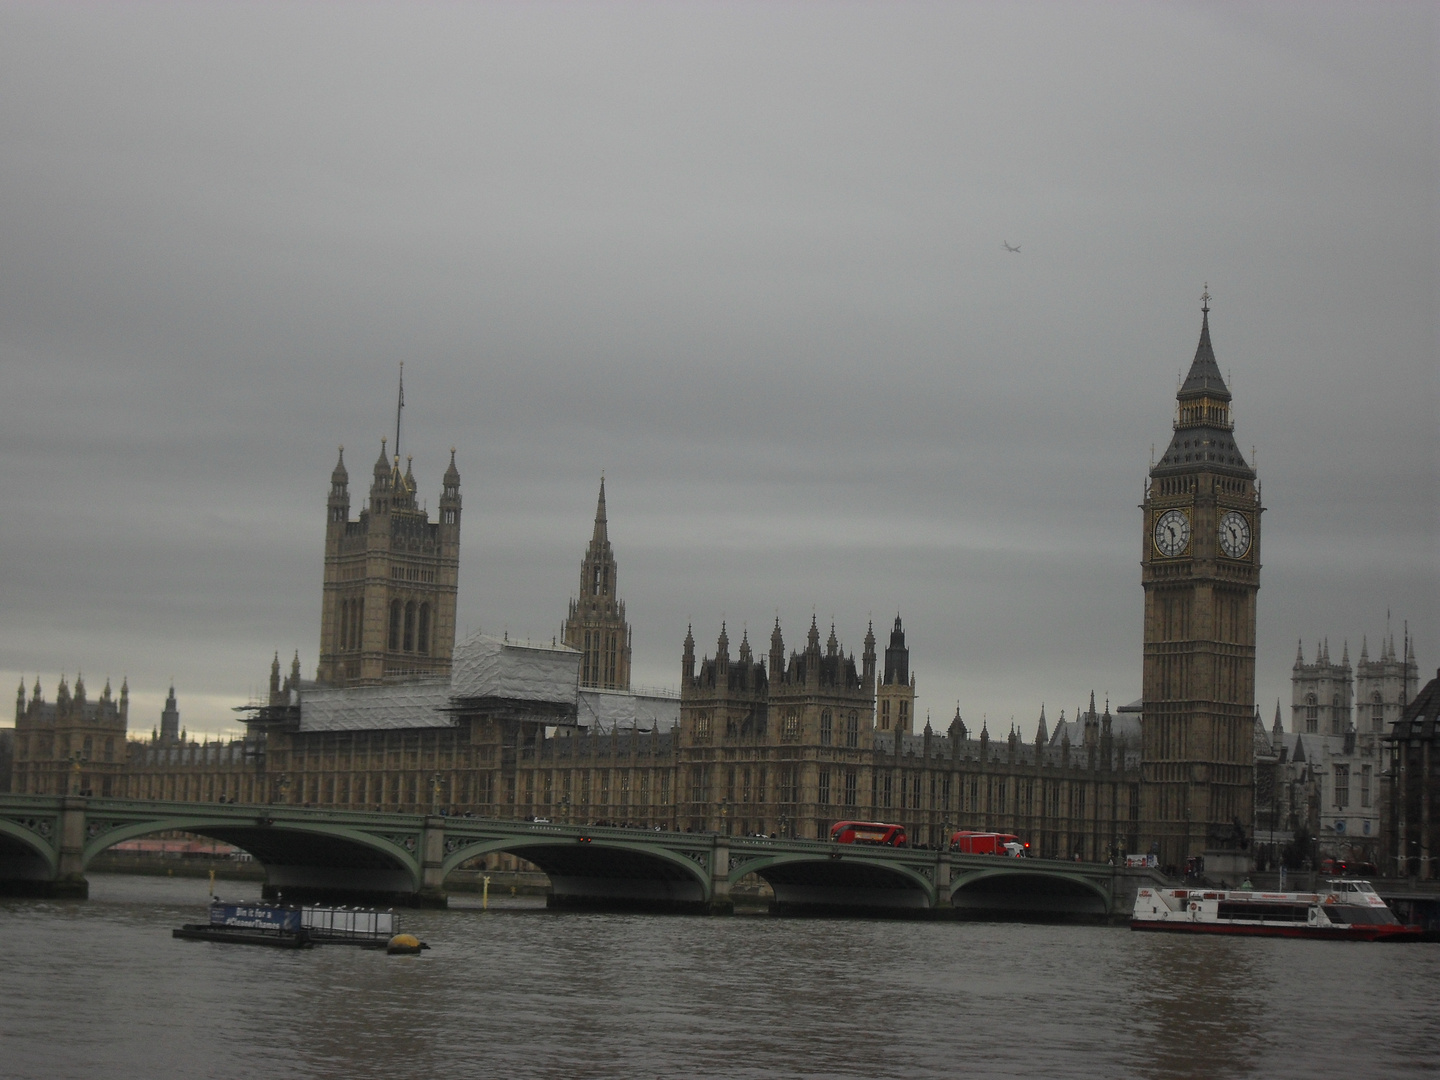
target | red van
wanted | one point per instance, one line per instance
(868, 832)
(966, 842)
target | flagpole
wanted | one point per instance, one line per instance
(398, 407)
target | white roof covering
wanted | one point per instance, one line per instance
(605, 710)
(376, 708)
(488, 667)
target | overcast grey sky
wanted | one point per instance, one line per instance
(746, 259)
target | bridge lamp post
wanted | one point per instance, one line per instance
(76, 760)
(784, 827)
(565, 809)
(436, 783)
(725, 816)
(282, 788)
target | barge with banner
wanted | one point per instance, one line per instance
(1344, 910)
(284, 927)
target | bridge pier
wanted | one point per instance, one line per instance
(720, 900)
(432, 864)
(942, 883)
(70, 879)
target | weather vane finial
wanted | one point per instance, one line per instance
(1205, 299)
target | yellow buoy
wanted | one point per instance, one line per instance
(404, 945)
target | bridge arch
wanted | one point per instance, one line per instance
(602, 871)
(1019, 891)
(25, 854)
(304, 859)
(830, 881)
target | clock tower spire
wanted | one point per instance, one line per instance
(1200, 568)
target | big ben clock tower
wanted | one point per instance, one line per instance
(1200, 570)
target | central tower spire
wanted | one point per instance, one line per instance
(596, 625)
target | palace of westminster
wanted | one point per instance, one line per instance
(784, 741)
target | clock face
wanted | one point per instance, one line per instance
(1172, 533)
(1234, 534)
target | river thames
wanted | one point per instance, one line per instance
(99, 988)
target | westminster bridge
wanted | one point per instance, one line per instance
(47, 842)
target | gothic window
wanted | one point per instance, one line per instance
(702, 724)
(745, 786)
(760, 785)
(1335, 714)
(827, 728)
(1342, 786)
(1377, 712)
(852, 730)
(410, 626)
(109, 749)
(787, 784)
(89, 742)
(344, 624)
(605, 581)
(595, 584)
(357, 612)
(790, 725)
(851, 785)
(885, 715)
(1365, 785)
(904, 712)
(730, 784)
(1312, 714)
(823, 797)
(395, 616)
(886, 789)
(585, 677)
(423, 644)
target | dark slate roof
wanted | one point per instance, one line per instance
(1421, 718)
(1204, 377)
(1211, 447)
(1203, 445)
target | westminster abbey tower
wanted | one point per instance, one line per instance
(1200, 568)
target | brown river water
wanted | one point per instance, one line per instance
(99, 988)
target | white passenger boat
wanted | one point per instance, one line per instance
(1343, 910)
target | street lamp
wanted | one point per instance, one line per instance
(725, 816)
(436, 783)
(76, 760)
(784, 827)
(565, 808)
(282, 782)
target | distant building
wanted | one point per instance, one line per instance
(1413, 811)
(7, 756)
(71, 746)
(1343, 716)
(1321, 786)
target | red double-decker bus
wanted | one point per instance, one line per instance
(868, 832)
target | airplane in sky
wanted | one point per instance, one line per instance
(1014, 251)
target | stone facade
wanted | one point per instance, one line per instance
(71, 746)
(388, 608)
(1200, 567)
